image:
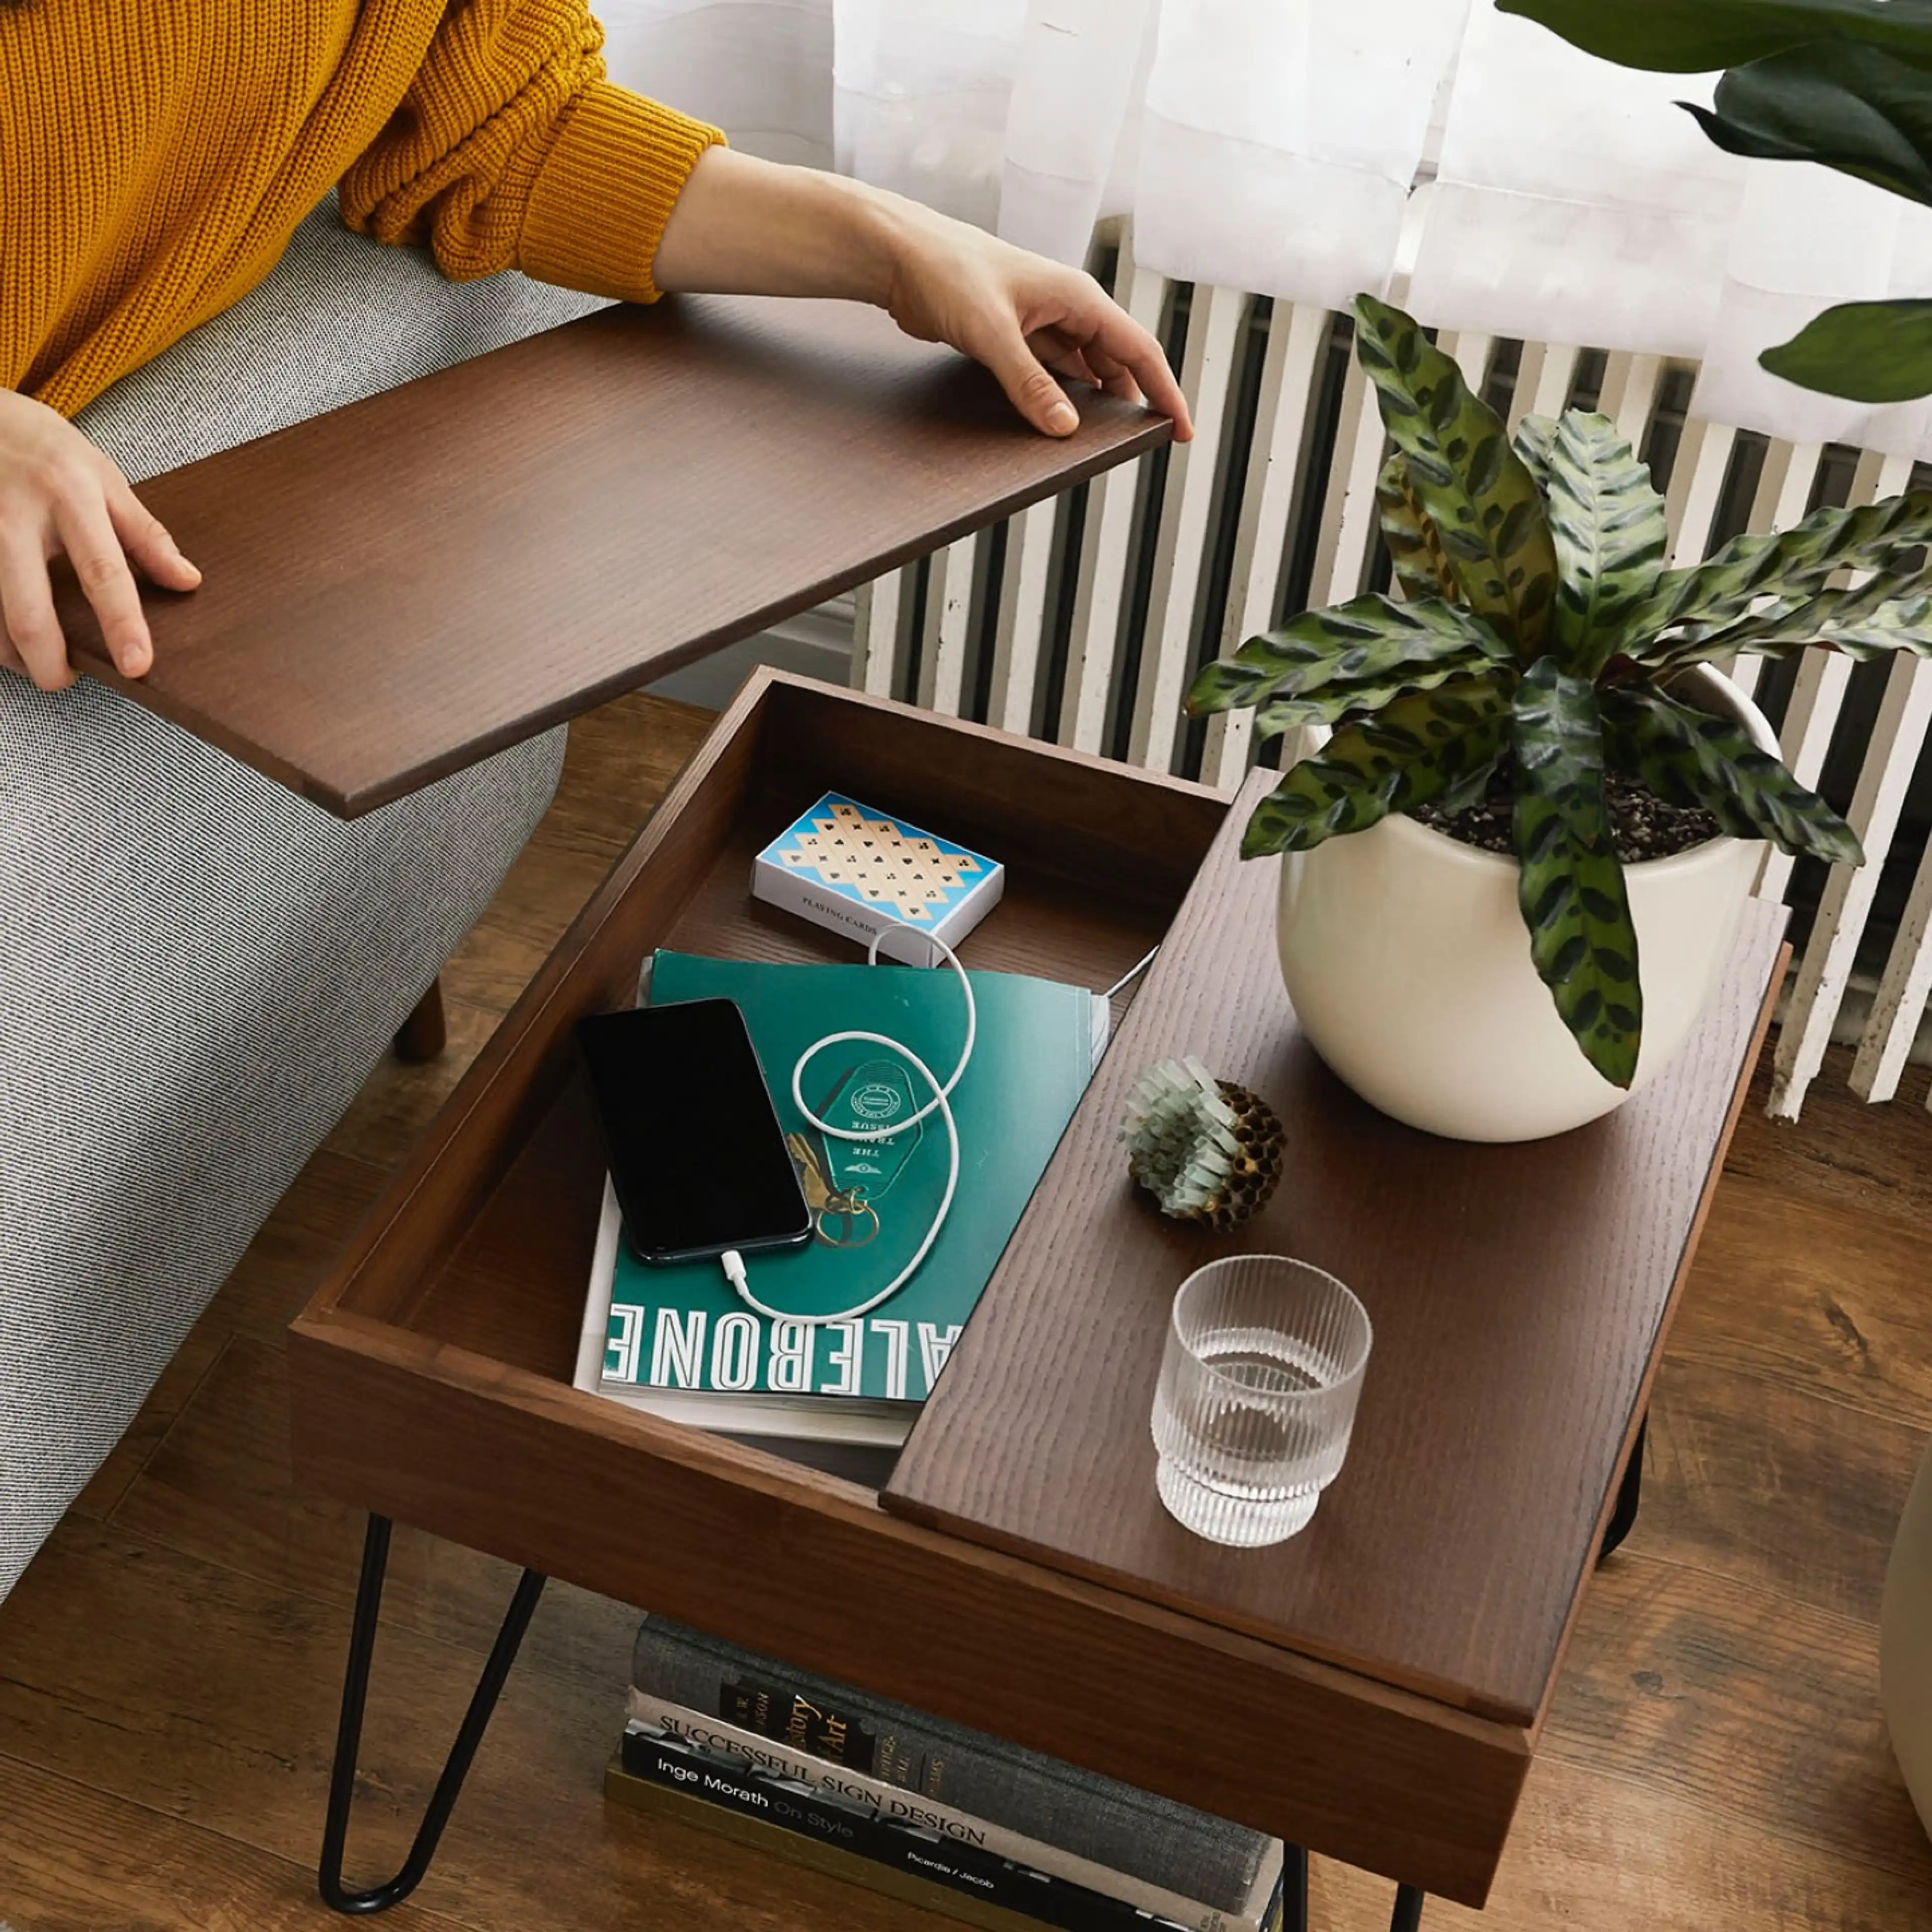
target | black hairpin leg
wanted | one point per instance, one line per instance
(1408, 1902)
(349, 1736)
(1623, 1518)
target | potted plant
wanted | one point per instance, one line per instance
(1543, 683)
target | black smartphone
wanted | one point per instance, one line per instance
(696, 1155)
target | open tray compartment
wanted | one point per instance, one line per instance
(493, 1251)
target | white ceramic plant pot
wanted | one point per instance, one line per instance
(1905, 1645)
(1407, 960)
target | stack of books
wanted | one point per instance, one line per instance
(929, 1812)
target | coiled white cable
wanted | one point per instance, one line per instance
(941, 1103)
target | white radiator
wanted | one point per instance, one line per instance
(1083, 619)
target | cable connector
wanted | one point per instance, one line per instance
(733, 1265)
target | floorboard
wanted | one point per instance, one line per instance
(1713, 1758)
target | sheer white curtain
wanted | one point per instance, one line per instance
(1072, 124)
(760, 69)
(1281, 138)
(1575, 202)
(1805, 239)
(921, 96)
(1277, 145)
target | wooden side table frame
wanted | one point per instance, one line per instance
(629, 454)
(443, 1344)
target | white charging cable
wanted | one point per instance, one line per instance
(941, 1104)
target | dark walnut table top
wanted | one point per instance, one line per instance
(396, 588)
(1520, 1296)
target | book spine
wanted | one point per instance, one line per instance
(774, 1841)
(1164, 1844)
(713, 1734)
(977, 1874)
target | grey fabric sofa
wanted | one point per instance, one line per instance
(198, 969)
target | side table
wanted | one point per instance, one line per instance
(1372, 1690)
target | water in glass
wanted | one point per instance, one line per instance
(1257, 1397)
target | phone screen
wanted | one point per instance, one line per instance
(696, 1155)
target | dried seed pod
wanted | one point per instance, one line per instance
(1206, 1149)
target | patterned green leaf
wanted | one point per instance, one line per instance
(1789, 566)
(1353, 698)
(1421, 564)
(1415, 750)
(1367, 642)
(1891, 611)
(1473, 488)
(1608, 522)
(1689, 756)
(1531, 442)
(1571, 885)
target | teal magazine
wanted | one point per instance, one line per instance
(679, 1341)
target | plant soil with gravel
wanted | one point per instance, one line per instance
(1647, 828)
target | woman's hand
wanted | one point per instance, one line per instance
(60, 494)
(1022, 316)
(745, 226)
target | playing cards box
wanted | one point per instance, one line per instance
(859, 871)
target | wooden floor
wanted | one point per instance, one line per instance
(169, 1666)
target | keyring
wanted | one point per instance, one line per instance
(848, 1208)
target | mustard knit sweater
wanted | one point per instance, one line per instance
(156, 155)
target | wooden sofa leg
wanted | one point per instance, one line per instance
(424, 1034)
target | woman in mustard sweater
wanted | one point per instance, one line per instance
(197, 967)
(156, 155)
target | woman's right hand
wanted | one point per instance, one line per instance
(60, 494)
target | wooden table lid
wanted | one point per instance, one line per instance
(395, 589)
(1520, 1296)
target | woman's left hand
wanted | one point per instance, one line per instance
(1026, 318)
(747, 226)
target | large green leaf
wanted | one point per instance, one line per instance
(1788, 566)
(1419, 748)
(1870, 352)
(1371, 640)
(1421, 564)
(1696, 36)
(1571, 884)
(1892, 612)
(1488, 516)
(1843, 104)
(1608, 524)
(1689, 756)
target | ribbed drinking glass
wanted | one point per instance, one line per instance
(1257, 1397)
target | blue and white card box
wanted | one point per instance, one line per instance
(857, 870)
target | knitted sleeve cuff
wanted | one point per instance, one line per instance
(598, 209)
